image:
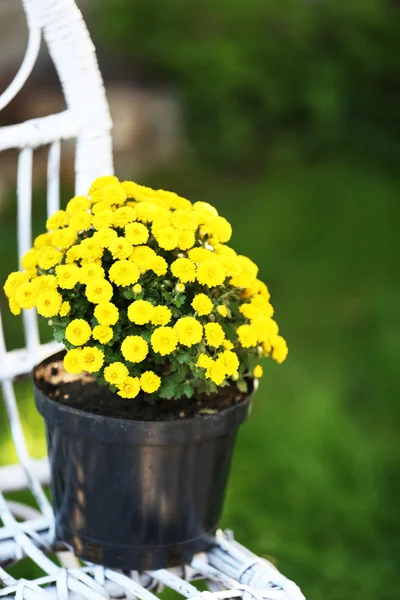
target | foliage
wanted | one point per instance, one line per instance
(143, 291)
(260, 77)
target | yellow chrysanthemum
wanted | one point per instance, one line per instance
(161, 315)
(99, 207)
(219, 229)
(200, 255)
(265, 327)
(185, 219)
(77, 204)
(204, 361)
(91, 359)
(78, 332)
(202, 304)
(279, 349)
(48, 304)
(101, 182)
(67, 276)
(250, 311)
(134, 348)
(120, 248)
(164, 340)
(247, 335)
(215, 335)
(227, 344)
(211, 273)
(248, 273)
(258, 371)
(222, 310)
(136, 233)
(44, 283)
(90, 249)
(72, 362)
(137, 288)
(189, 331)
(216, 372)
(159, 265)
(149, 382)
(13, 281)
(187, 239)
(80, 221)
(59, 219)
(90, 271)
(103, 219)
(73, 255)
(129, 388)
(49, 257)
(104, 237)
(124, 273)
(123, 216)
(167, 237)
(184, 270)
(180, 287)
(140, 312)
(25, 295)
(42, 240)
(64, 238)
(30, 259)
(102, 333)
(204, 211)
(106, 313)
(229, 362)
(143, 257)
(114, 194)
(99, 290)
(116, 373)
(65, 309)
(263, 304)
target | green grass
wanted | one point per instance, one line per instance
(315, 476)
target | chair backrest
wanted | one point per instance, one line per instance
(87, 120)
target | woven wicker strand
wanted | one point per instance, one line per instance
(229, 569)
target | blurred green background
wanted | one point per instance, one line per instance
(291, 121)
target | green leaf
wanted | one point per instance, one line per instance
(188, 390)
(59, 334)
(242, 385)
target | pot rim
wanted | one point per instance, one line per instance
(120, 430)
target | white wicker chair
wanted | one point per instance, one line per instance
(230, 570)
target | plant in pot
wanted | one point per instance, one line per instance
(163, 326)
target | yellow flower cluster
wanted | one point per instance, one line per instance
(128, 274)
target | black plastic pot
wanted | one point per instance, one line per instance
(137, 494)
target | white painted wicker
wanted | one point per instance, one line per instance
(230, 570)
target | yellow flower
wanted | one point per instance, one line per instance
(48, 304)
(180, 287)
(247, 335)
(250, 311)
(215, 335)
(120, 248)
(99, 207)
(202, 304)
(219, 228)
(164, 340)
(42, 240)
(159, 265)
(188, 330)
(137, 288)
(248, 273)
(124, 273)
(78, 332)
(215, 371)
(211, 273)
(143, 257)
(101, 182)
(140, 312)
(106, 313)
(200, 255)
(90, 249)
(104, 237)
(134, 348)
(80, 221)
(77, 204)
(265, 327)
(59, 219)
(48, 258)
(90, 271)
(258, 371)
(149, 382)
(186, 239)
(25, 295)
(279, 349)
(167, 237)
(91, 359)
(185, 219)
(123, 216)
(44, 283)
(29, 260)
(114, 194)
(227, 344)
(204, 361)
(136, 233)
(102, 333)
(72, 363)
(205, 211)
(65, 309)
(72, 255)
(116, 373)
(67, 276)
(129, 388)
(266, 347)
(13, 281)
(103, 219)
(262, 303)
(229, 362)
(14, 306)
(222, 310)
(184, 270)
(99, 290)
(161, 315)
(64, 238)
